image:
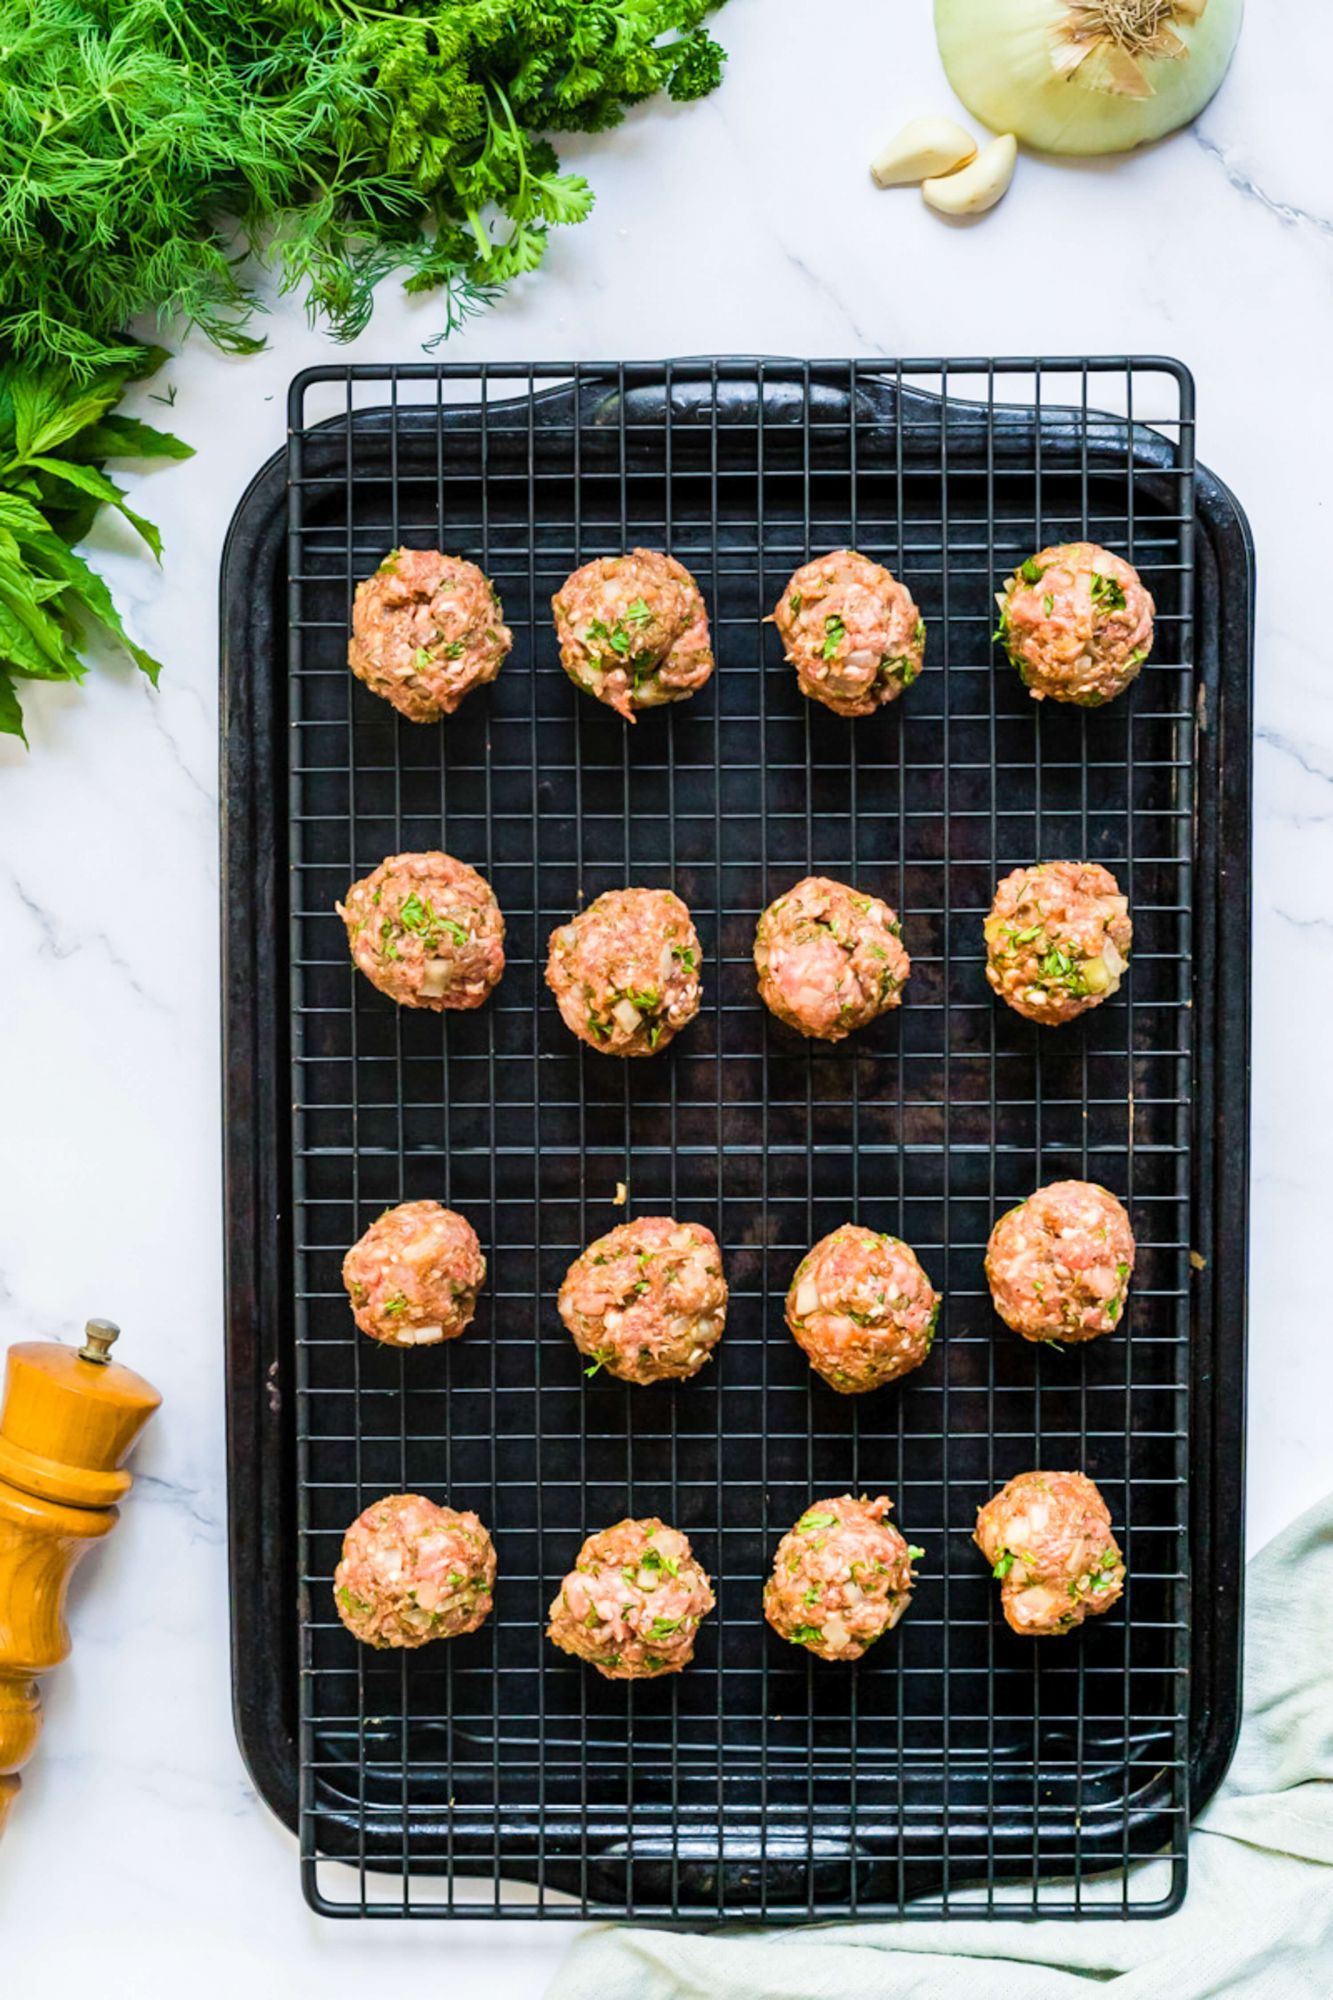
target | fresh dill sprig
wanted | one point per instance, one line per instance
(149, 147)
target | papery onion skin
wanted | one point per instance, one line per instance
(998, 57)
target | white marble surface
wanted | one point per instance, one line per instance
(139, 1858)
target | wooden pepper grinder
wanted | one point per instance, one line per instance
(68, 1420)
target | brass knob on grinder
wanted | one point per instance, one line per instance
(68, 1421)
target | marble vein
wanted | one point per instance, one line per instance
(1284, 211)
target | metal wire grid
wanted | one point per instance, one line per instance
(956, 1761)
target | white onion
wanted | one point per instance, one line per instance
(1086, 76)
(807, 1298)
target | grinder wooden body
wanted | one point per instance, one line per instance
(68, 1421)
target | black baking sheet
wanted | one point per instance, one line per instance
(956, 1761)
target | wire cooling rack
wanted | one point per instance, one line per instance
(957, 1765)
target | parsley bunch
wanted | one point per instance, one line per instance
(146, 146)
(55, 439)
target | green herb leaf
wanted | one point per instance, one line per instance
(1107, 594)
(351, 142)
(98, 487)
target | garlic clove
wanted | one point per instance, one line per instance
(925, 146)
(979, 186)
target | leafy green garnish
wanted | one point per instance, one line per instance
(904, 669)
(653, 1559)
(638, 613)
(807, 1635)
(1107, 594)
(914, 1554)
(1004, 1563)
(56, 434)
(808, 1523)
(834, 632)
(1031, 571)
(345, 140)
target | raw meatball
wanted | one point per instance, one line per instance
(851, 631)
(632, 1603)
(863, 1309)
(841, 1579)
(648, 1301)
(633, 631)
(426, 930)
(829, 959)
(1077, 623)
(625, 971)
(414, 1276)
(1057, 939)
(1059, 1264)
(426, 629)
(412, 1572)
(1047, 1537)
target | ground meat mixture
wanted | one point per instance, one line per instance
(1077, 623)
(851, 631)
(1057, 939)
(863, 1309)
(625, 971)
(632, 1603)
(426, 930)
(414, 1276)
(841, 1579)
(1047, 1537)
(412, 1572)
(426, 630)
(829, 959)
(633, 631)
(1059, 1264)
(648, 1301)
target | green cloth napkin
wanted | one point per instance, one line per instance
(1257, 1921)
